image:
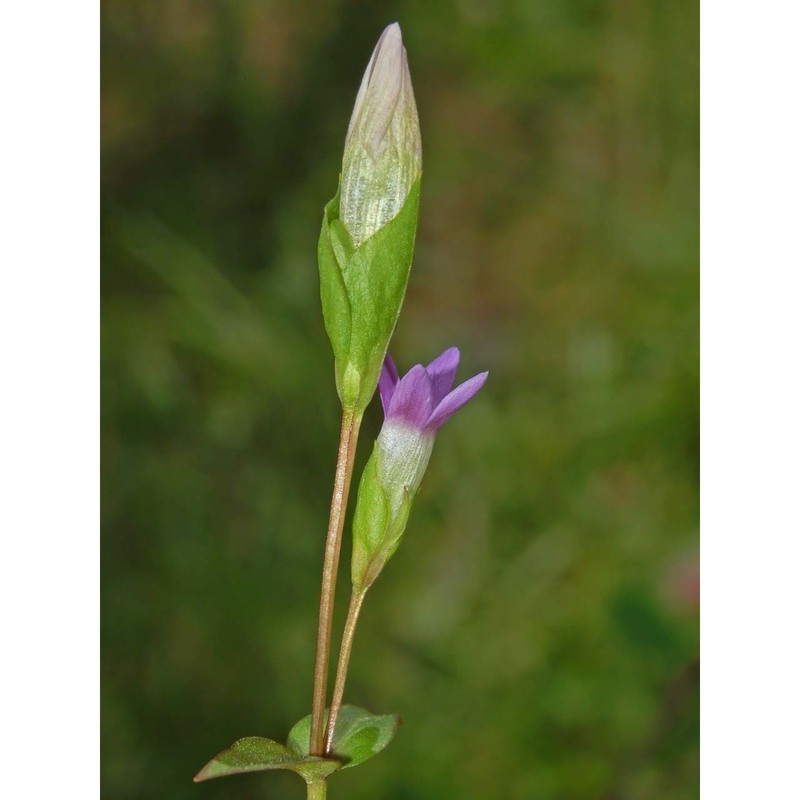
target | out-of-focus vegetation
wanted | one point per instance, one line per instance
(538, 629)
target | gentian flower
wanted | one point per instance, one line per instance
(415, 408)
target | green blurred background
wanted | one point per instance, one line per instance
(538, 630)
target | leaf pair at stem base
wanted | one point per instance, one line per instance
(360, 735)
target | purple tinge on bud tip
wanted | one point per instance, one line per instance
(423, 399)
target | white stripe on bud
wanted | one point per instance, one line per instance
(383, 150)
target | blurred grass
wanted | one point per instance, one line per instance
(538, 630)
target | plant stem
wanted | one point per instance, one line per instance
(351, 421)
(356, 600)
(317, 790)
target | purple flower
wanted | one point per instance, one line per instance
(422, 398)
(414, 407)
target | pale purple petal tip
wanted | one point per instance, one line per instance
(443, 372)
(387, 382)
(412, 401)
(458, 397)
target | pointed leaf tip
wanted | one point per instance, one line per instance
(256, 754)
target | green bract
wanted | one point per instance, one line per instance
(378, 524)
(362, 290)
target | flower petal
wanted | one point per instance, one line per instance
(442, 371)
(387, 382)
(412, 401)
(458, 397)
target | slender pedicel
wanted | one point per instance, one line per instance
(346, 648)
(333, 544)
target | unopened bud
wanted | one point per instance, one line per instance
(383, 150)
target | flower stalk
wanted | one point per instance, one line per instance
(345, 649)
(351, 422)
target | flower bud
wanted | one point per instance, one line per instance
(366, 244)
(383, 150)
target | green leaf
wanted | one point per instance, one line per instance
(255, 754)
(359, 735)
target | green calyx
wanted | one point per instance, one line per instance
(377, 528)
(362, 291)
